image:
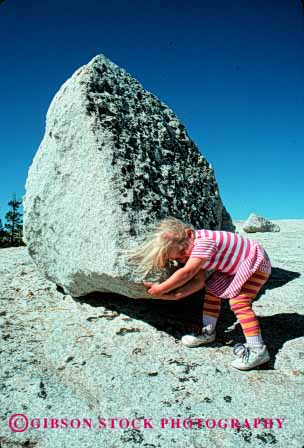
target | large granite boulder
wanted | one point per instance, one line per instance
(114, 159)
(259, 224)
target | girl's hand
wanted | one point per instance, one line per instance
(172, 296)
(178, 295)
(153, 289)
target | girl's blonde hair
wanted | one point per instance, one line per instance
(152, 254)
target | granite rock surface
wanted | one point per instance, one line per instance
(106, 356)
(257, 223)
(114, 160)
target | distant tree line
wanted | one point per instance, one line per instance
(11, 231)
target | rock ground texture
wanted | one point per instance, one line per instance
(108, 356)
(114, 159)
(257, 223)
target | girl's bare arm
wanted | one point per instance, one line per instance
(179, 278)
(195, 284)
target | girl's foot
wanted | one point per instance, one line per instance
(249, 357)
(194, 341)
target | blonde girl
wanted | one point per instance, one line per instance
(239, 268)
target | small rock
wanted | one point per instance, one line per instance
(259, 224)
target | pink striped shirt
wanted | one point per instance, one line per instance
(232, 258)
(222, 251)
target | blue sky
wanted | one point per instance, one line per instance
(233, 72)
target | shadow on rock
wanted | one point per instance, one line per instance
(279, 277)
(276, 330)
(181, 317)
(174, 317)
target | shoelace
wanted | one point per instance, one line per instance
(241, 350)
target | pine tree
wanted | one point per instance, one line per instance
(13, 224)
(2, 235)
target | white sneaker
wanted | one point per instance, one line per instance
(249, 357)
(194, 341)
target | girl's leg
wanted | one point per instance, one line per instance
(242, 308)
(211, 311)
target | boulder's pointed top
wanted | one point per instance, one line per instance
(100, 58)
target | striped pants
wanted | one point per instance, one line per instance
(240, 305)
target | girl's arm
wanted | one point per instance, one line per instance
(179, 278)
(195, 284)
